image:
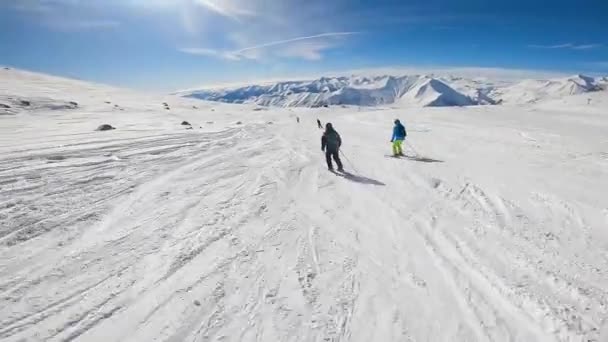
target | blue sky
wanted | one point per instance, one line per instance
(172, 44)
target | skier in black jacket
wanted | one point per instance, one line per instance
(330, 143)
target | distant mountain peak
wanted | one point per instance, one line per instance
(407, 90)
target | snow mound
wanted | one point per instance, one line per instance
(41, 100)
(22, 91)
(14, 105)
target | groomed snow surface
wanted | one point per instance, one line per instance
(234, 230)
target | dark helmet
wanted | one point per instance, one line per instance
(329, 127)
(397, 121)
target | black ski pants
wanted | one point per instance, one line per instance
(333, 153)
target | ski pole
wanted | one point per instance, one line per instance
(349, 162)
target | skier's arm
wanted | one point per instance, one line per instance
(394, 134)
(323, 142)
(339, 140)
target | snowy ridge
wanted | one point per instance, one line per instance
(356, 90)
(538, 90)
(232, 229)
(434, 93)
(411, 90)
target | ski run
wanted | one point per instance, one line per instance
(495, 228)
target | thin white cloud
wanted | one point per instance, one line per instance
(308, 50)
(64, 15)
(558, 46)
(567, 46)
(227, 8)
(306, 47)
(33, 7)
(292, 40)
(587, 46)
(210, 53)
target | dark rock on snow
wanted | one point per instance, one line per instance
(2, 105)
(105, 127)
(186, 123)
(25, 103)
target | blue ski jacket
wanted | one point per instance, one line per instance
(399, 132)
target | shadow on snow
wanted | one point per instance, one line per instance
(424, 159)
(359, 179)
(417, 158)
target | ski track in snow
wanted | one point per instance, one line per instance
(238, 233)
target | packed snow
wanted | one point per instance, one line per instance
(229, 227)
(434, 90)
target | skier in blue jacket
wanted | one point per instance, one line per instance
(399, 135)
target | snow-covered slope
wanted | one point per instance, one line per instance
(413, 90)
(493, 229)
(537, 90)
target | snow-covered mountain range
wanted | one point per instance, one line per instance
(409, 90)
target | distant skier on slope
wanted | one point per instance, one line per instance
(298, 119)
(399, 135)
(330, 143)
(319, 124)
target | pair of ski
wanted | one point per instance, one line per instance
(402, 156)
(342, 173)
(338, 172)
(417, 158)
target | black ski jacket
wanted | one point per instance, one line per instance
(331, 140)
